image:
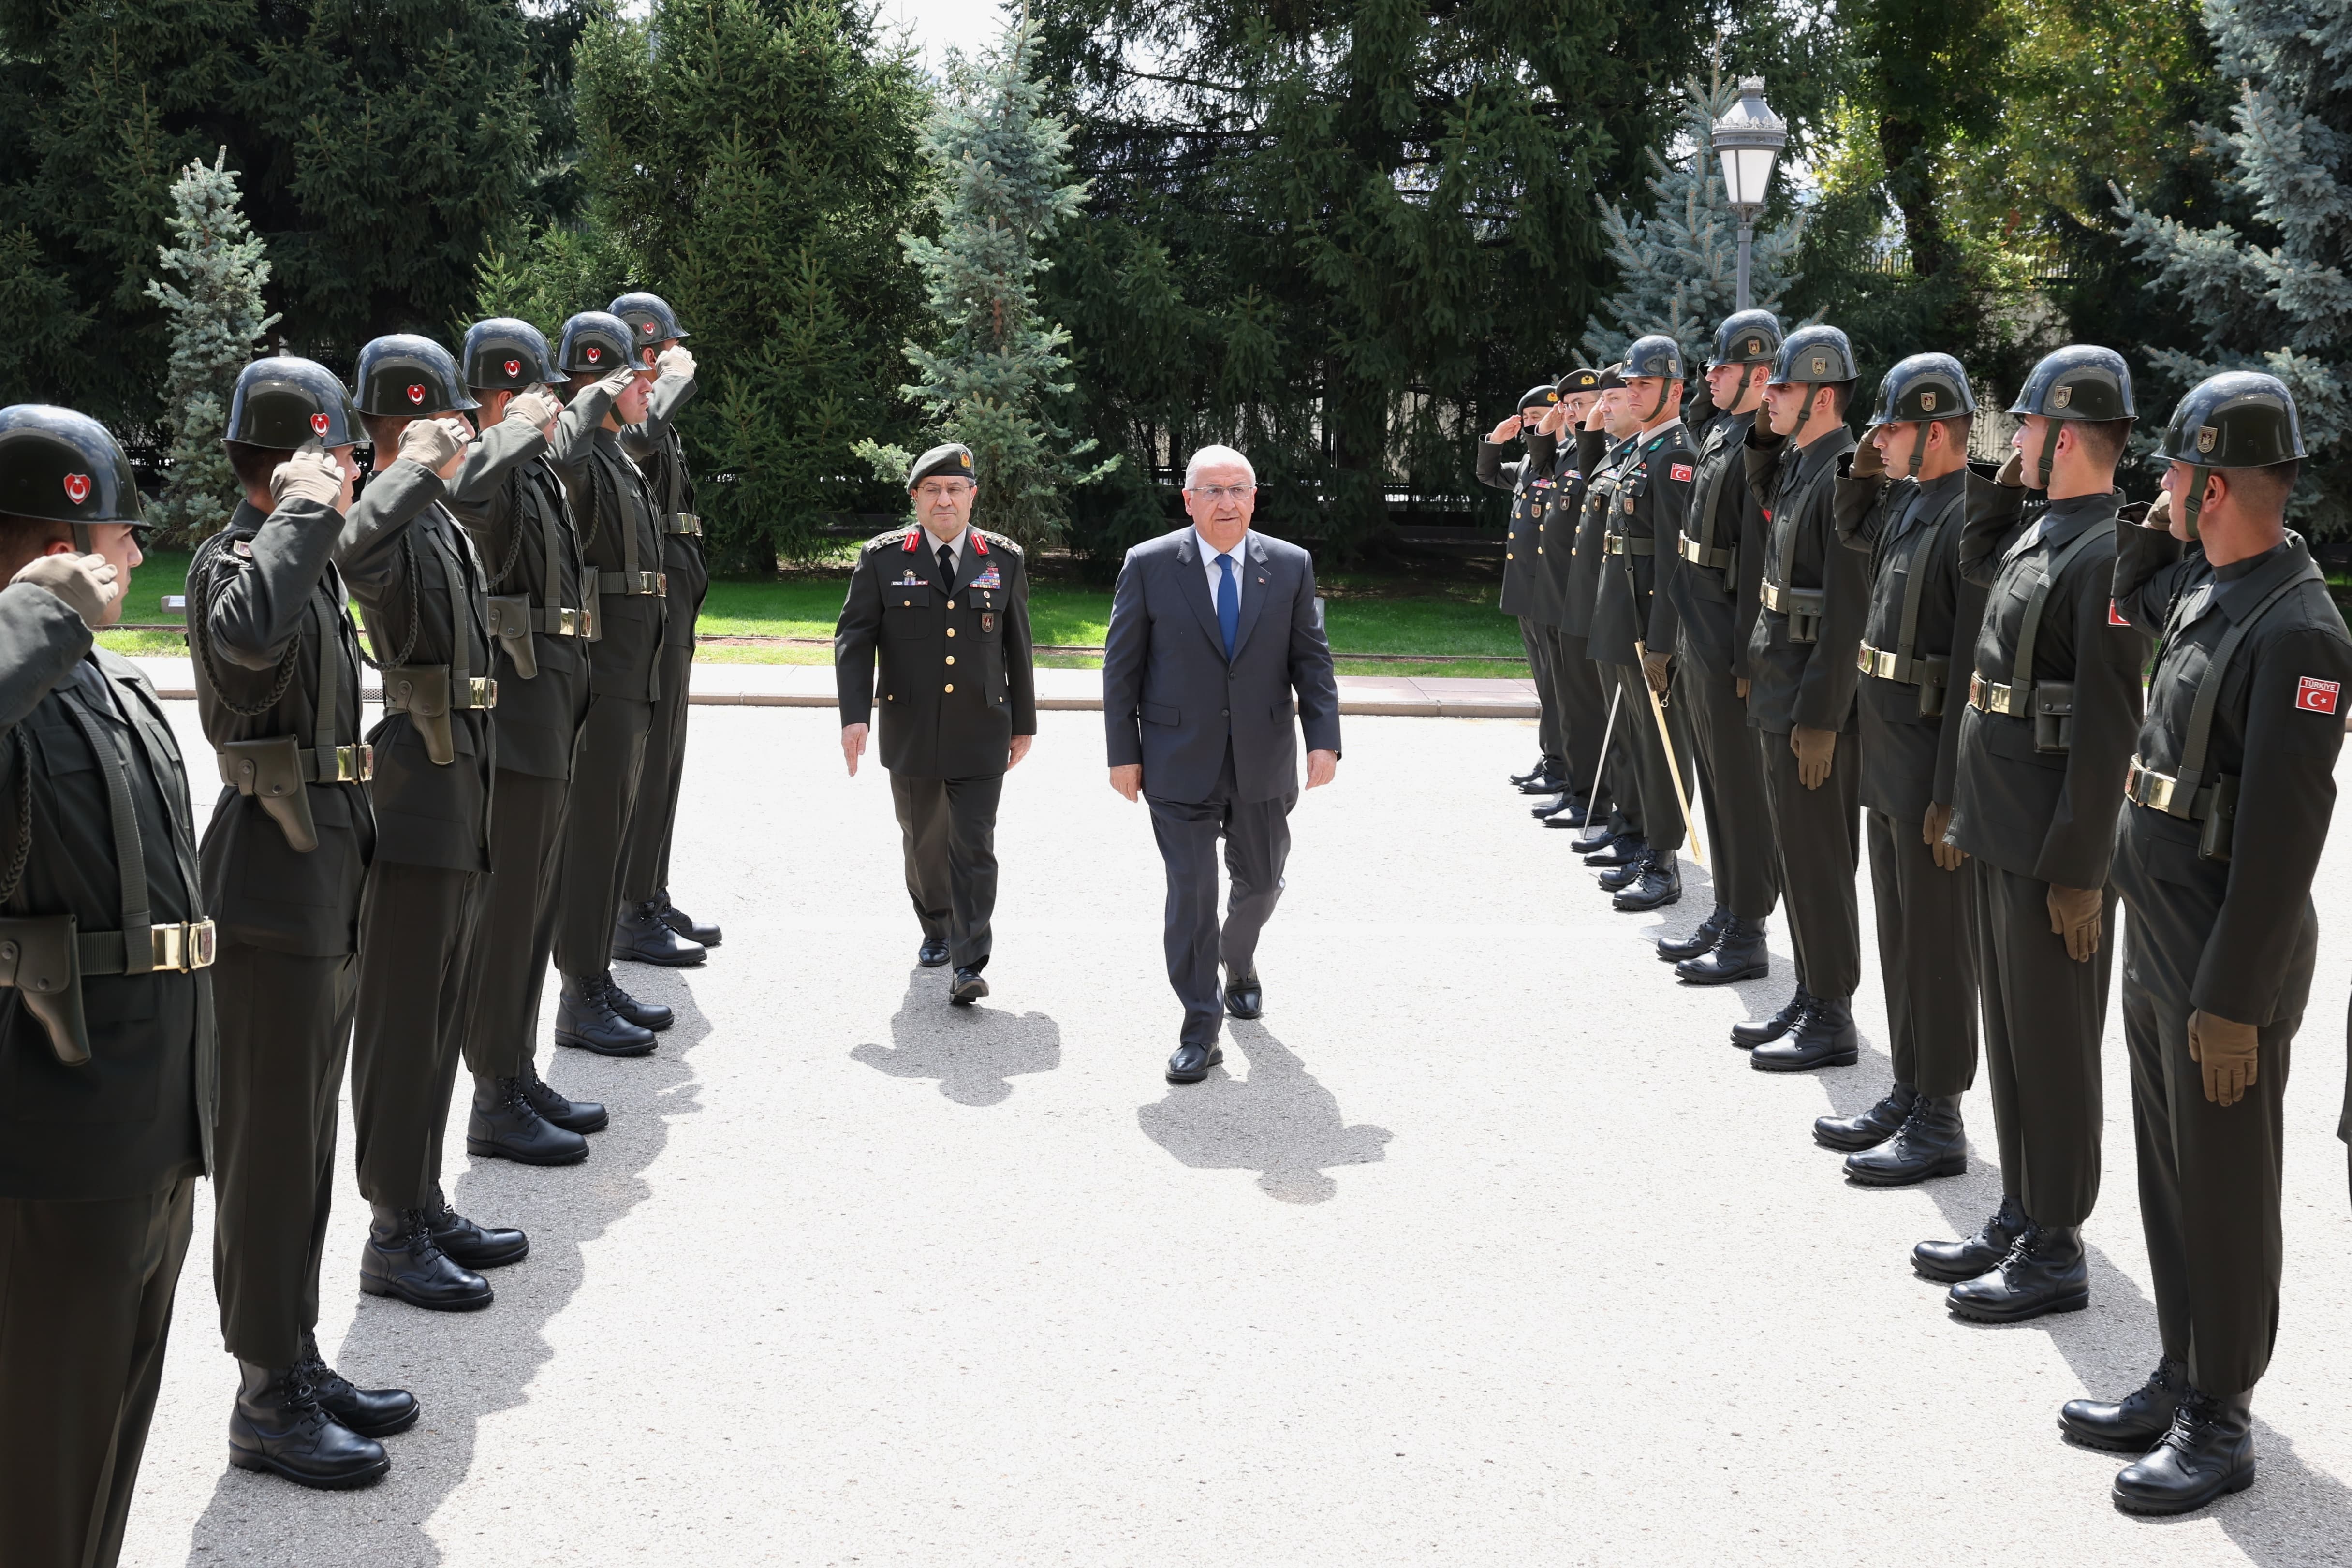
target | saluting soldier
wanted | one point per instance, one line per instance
(106, 1025)
(2053, 706)
(1813, 597)
(651, 928)
(1901, 504)
(946, 608)
(1583, 706)
(285, 860)
(1714, 586)
(2229, 798)
(413, 572)
(541, 611)
(1613, 834)
(1519, 600)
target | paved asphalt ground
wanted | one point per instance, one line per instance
(1484, 1247)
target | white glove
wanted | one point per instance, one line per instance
(675, 360)
(308, 475)
(86, 582)
(536, 408)
(618, 381)
(431, 443)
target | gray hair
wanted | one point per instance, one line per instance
(1217, 457)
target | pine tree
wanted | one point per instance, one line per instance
(1678, 266)
(2273, 294)
(999, 164)
(217, 324)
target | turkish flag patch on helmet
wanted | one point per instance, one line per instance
(514, 367)
(416, 392)
(1680, 472)
(595, 353)
(76, 488)
(2313, 694)
(318, 423)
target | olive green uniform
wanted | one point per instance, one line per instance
(1632, 613)
(1528, 479)
(660, 457)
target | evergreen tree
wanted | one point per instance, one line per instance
(2272, 295)
(216, 323)
(1678, 266)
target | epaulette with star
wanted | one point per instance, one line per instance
(997, 541)
(893, 537)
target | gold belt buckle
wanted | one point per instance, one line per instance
(481, 690)
(182, 947)
(355, 764)
(1772, 595)
(686, 523)
(1690, 549)
(567, 622)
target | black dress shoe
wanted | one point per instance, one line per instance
(572, 1115)
(1191, 1062)
(2134, 1424)
(505, 1125)
(931, 955)
(369, 1412)
(1599, 835)
(2206, 1454)
(655, 1016)
(1548, 782)
(2044, 1272)
(1824, 1037)
(685, 925)
(640, 936)
(472, 1245)
(401, 1260)
(1754, 1032)
(1739, 954)
(1702, 940)
(1931, 1142)
(1578, 814)
(277, 1426)
(1625, 850)
(1544, 810)
(1244, 997)
(967, 987)
(1872, 1128)
(584, 1019)
(1950, 1262)
(1657, 881)
(1536, 772)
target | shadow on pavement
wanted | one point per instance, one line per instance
(973, 1052)
(1278, 1122)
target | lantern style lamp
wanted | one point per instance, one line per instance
(1747, 141)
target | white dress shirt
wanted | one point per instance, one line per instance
(1240, 552)
(955, 547)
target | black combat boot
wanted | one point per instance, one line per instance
(505, 1125)
(1629, 849)
(401, 1260)
(586, 1021)
(1747, 1036)
(1598, 836)
(1702, 940)
(369, 1412)
(1824, 1037)
(572, 1115)
(471, 1245)
(655, 1016)
(2206, 1454)
(2134, 1424)
(278, 1427)
(1873, 1127)
(685, 925)
(1739, 954)
(640, 936)
(1656, 882)
(1950, 1262)
(2044, 1272)
(1931, 1142)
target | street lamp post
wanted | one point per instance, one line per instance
(1747, 141)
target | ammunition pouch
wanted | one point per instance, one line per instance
(2053, 716)
(511, 624)
(270, 771)
(41, 958)
(1931, 676)
(2214, 807)
(1802, 606)
(422, 693)
(1932, 689)
(2220, 820)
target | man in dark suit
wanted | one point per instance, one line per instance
(1213, 644)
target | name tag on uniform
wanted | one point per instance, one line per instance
(988, 579)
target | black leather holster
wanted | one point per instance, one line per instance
(40, 956)
(270, 771)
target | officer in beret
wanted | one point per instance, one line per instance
(1529, 481)
(1613, 836)
(946, 608)
(1566, 616)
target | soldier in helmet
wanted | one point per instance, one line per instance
(651, 928)
(1529, 481)
(1566, 618)
(542, 614)
(1714, 586)
(105, 1018)
(1813, 597)
(1900, 503)
(2053, 706)
(2235, 767)
(1614, 834)
(415, 576)
(285, 863)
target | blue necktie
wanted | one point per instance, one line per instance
(1229, 603)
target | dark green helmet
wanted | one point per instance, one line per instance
(1746, 338)
(1924, 387)
(503, 354)
(283, 401)
(405, 376)
(651, 321)
(594, 343)
(1654, 355)
(2239, 419)
(1584, 379)
(59, 467)
(1543, 394)
(1818, 355)
(2081, 380)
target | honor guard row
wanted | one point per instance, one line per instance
(1885, 639)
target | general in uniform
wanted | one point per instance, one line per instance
(1566, 620)
(1614, 832)
(1518, 601)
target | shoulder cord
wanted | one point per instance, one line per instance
(24, 816)
(514, 525)
(199, 609)
(416, 622)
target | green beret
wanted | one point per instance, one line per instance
(951, 458)
(1579, 380)
(1613, 376)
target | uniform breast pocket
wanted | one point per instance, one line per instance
(905, 608)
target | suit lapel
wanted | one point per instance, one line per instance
(1195, 589)
(1254, 570)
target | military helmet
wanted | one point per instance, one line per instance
(283, 401)
(1746, 338)
(1543, 394)
(503, 354)
(59, 467)
(1584, 379)
(594, 343)
(405, 376)
(650, 320)
(1654, 355)
(2239, 419)
(1924, 387)
(1819, 355)
(2081, 380)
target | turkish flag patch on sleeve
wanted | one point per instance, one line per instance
(1680, 473)
(2313, 694)
(2116, 614)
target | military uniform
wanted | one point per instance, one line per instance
(1616, 810)
(1528, 479)
(1583, 706)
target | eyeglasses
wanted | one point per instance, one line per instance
(1212, 494)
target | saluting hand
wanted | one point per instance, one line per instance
(1504, 431)
(308, 475)
(86, 582)
(853, 746)
(673, 361)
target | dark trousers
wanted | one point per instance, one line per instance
(285, 1032)
(947, 828)
(645, 865)
(1535, 635)
(1817, 844)
(85, 1293)
(418, 965)
(1257, 846)
(1927, 958)
(2043, 1016)
(1661, 824)
(1583, 711)
(605, 766)
(517, 930)
(1732, 778)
